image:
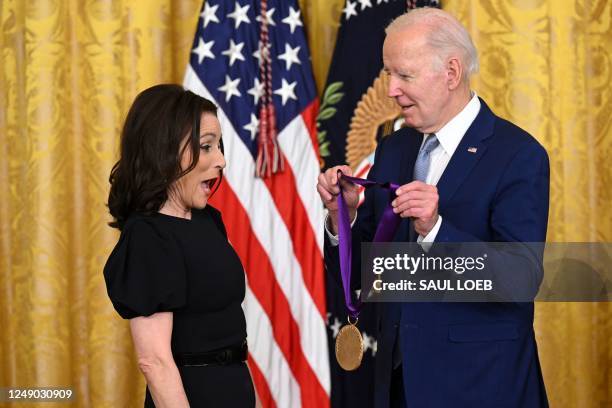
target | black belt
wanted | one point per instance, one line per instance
(228, 355)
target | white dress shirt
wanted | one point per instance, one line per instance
(449, 136)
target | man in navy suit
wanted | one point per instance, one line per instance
(466, 175)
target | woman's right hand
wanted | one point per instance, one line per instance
(329, 190)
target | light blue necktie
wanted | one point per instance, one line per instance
(421, 166)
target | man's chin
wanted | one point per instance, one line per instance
(410, 122)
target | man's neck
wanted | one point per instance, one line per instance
(457, 104)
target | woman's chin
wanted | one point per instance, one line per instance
(199, 202)
(200, 198)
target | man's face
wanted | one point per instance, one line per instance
(416, 80)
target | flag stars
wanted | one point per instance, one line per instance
(286, 91)
(293, 19)
(290, 56)
(230, 88)
(234, 52)
(240, 15)
(367, 342)
(209, 14)
(257, 90)
(350, 9)
(252, 126)
(257, 53)
(203, 50)
(371, 343)
(269, 19)
(335, 327)
(365, 4)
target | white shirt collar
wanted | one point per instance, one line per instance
(451, 134)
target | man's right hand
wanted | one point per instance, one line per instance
(329, 190)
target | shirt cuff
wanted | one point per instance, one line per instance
(333, 239)
(431, 237)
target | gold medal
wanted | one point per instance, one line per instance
(349, 346)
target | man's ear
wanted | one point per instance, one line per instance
(454, 73)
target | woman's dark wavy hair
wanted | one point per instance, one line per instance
(150, 159)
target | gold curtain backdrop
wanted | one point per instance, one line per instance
(69, 70)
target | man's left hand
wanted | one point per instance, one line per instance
(420, 202)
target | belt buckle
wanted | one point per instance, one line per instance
(224, 357)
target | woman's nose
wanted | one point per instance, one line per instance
(220, 160)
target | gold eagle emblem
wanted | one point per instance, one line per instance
(375, 109)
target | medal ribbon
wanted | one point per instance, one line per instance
(384, 233)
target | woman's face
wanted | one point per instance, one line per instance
(194, 188)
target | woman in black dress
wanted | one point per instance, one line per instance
(173, 272)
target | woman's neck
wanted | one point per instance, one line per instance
(170, 207)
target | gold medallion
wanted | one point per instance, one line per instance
(349, 347)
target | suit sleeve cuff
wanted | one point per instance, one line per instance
(333, 239)
(431, 237)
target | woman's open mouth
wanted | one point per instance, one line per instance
(208, 185)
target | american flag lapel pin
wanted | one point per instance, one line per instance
(472, 149)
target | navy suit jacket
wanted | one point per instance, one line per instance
(463, 354)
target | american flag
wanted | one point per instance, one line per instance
(275, 223)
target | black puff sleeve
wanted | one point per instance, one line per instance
(145, 273)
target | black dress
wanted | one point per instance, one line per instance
(164, 263)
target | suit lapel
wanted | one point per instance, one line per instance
(469, 151)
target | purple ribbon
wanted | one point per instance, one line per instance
(384, 233)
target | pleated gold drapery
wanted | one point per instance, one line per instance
(547, 66)
(70, 69)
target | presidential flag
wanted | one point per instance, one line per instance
(355, 113)
(250, 57)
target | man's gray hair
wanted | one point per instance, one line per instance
(446, 35)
